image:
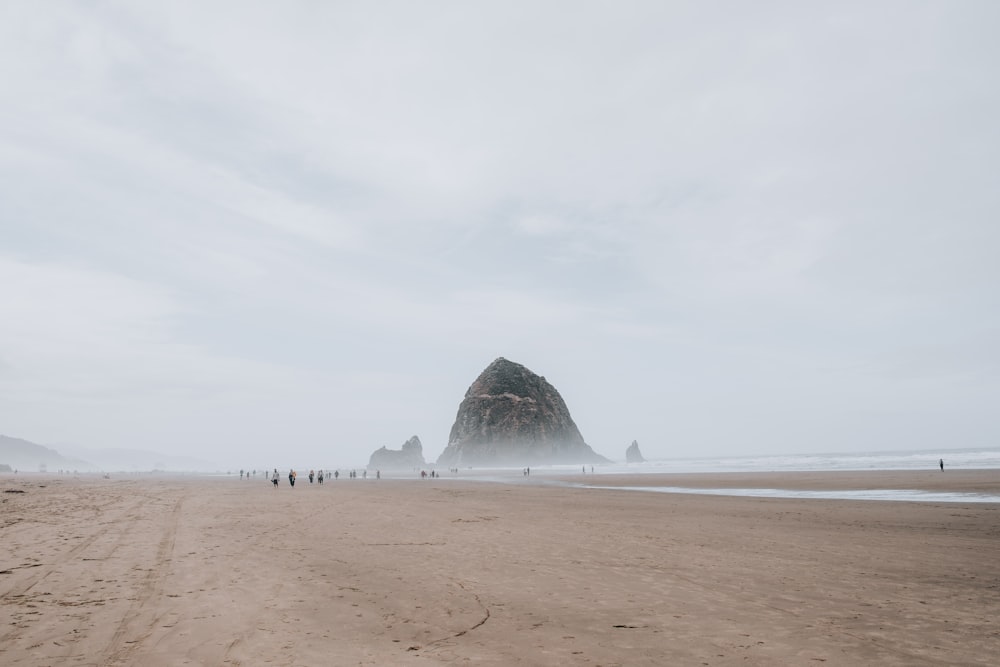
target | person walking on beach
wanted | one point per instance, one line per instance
(291, 477)
(941, 463)
(274, 479)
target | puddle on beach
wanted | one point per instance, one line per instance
(904, 495)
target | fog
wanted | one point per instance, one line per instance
(253, 233)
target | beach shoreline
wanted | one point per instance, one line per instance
(955, 481)
(197, 570)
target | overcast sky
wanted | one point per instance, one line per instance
(277, 233)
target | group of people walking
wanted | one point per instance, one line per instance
(314, 475)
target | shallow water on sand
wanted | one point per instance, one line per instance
(904, 495)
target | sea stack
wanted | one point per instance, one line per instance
(511, 416)
(633, 455)
(410, 456)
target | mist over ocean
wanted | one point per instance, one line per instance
(973, 458)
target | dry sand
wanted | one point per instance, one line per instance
(175, 571)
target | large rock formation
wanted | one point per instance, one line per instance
(409, 457)
(510, 416)
(633, 455)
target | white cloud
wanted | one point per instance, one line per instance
(541, 225)
(265, 220)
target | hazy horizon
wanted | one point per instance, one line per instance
(146, 461)
(732, 229)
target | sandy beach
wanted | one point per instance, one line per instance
(218, 571)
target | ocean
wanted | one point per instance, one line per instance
(954, 459)
(981, 458)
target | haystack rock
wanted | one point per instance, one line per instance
(510, 416)
(409, 457)
(633, 455)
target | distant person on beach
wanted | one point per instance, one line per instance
(312, 474)
(274, 479)
(319, 476)
(291, 478)
(941, 463)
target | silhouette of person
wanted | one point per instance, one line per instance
(941, 463)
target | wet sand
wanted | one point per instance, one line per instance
(957, 481)
(201, 571)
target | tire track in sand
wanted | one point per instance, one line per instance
(19, 593)
(46, 569)
(137, 622)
